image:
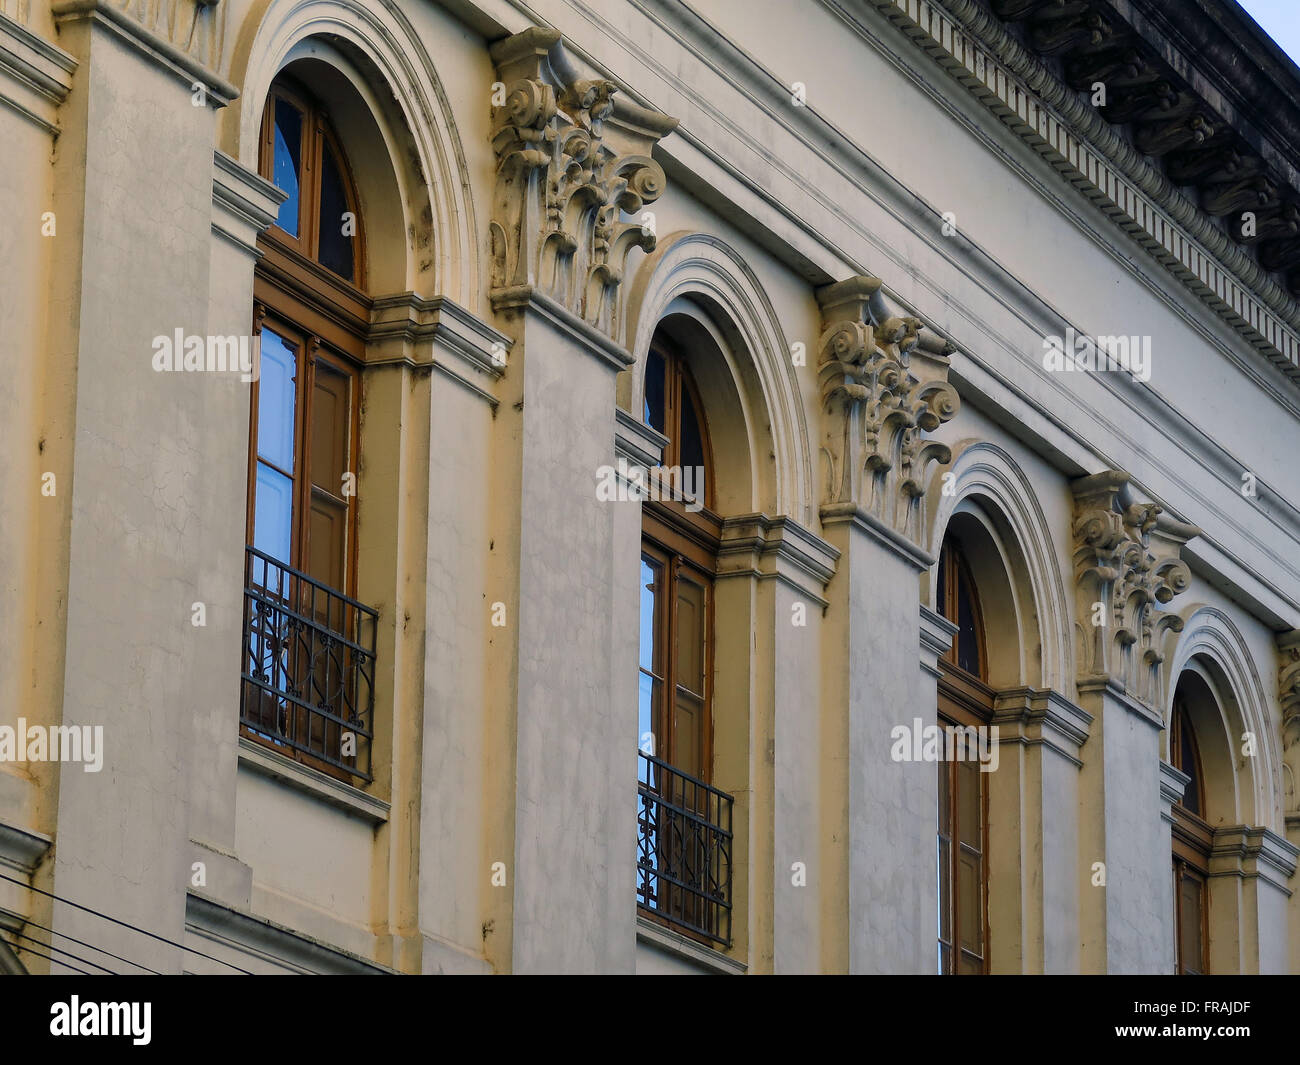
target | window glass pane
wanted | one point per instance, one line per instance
(335, 229)
(654, 392)
(968, 655)
(276, 399)
(647, 691)
(273, 513)
(288, 162)
(649, 598)
(941, 593)
(692, 450)
(1187, 763)
(650, 687)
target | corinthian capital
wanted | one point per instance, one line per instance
(574, 172)
(1127, 568)
(884, 385)
(1288, 679)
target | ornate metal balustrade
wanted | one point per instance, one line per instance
(683, 850)
(309, 667)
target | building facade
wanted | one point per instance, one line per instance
(849, 444)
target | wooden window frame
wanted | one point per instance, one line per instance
(964, 700)
(317, 135)
(326, 317)
(1191, 837)
(676, 539)
(686, 539)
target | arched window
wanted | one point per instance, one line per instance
(684, 837)
(309, 646)
(965, 702)
(1192, 839)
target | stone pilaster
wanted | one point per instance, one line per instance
(883, 387)
(573, 175)
(1127, 570)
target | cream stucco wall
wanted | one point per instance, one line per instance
(497, 833)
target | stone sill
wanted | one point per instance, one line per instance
(652, 932)
(312, 782)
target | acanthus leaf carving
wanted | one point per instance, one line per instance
(573, 158)
(1127, 569)
(884, 386)
(1288, 680)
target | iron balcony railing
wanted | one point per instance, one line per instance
(309, 666)
(683, 850)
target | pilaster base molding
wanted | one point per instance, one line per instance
(884, 385)
(572, 159)
(184, 38)
(1032, 716)
(764, 548)
(1127, 567)
(1240, 850)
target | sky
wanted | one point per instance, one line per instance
(1280, 19)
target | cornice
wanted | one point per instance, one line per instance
(815, 253)
(776, 549)
(248, 934)
(36, 74)
(975, 49)
(410, 330)
(1173, 782)
(1254, 851)
(1059, 723)
(636, 441)
(21, 849)
(936, 638)
(244, 203)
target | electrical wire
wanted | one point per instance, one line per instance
(124, 924)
